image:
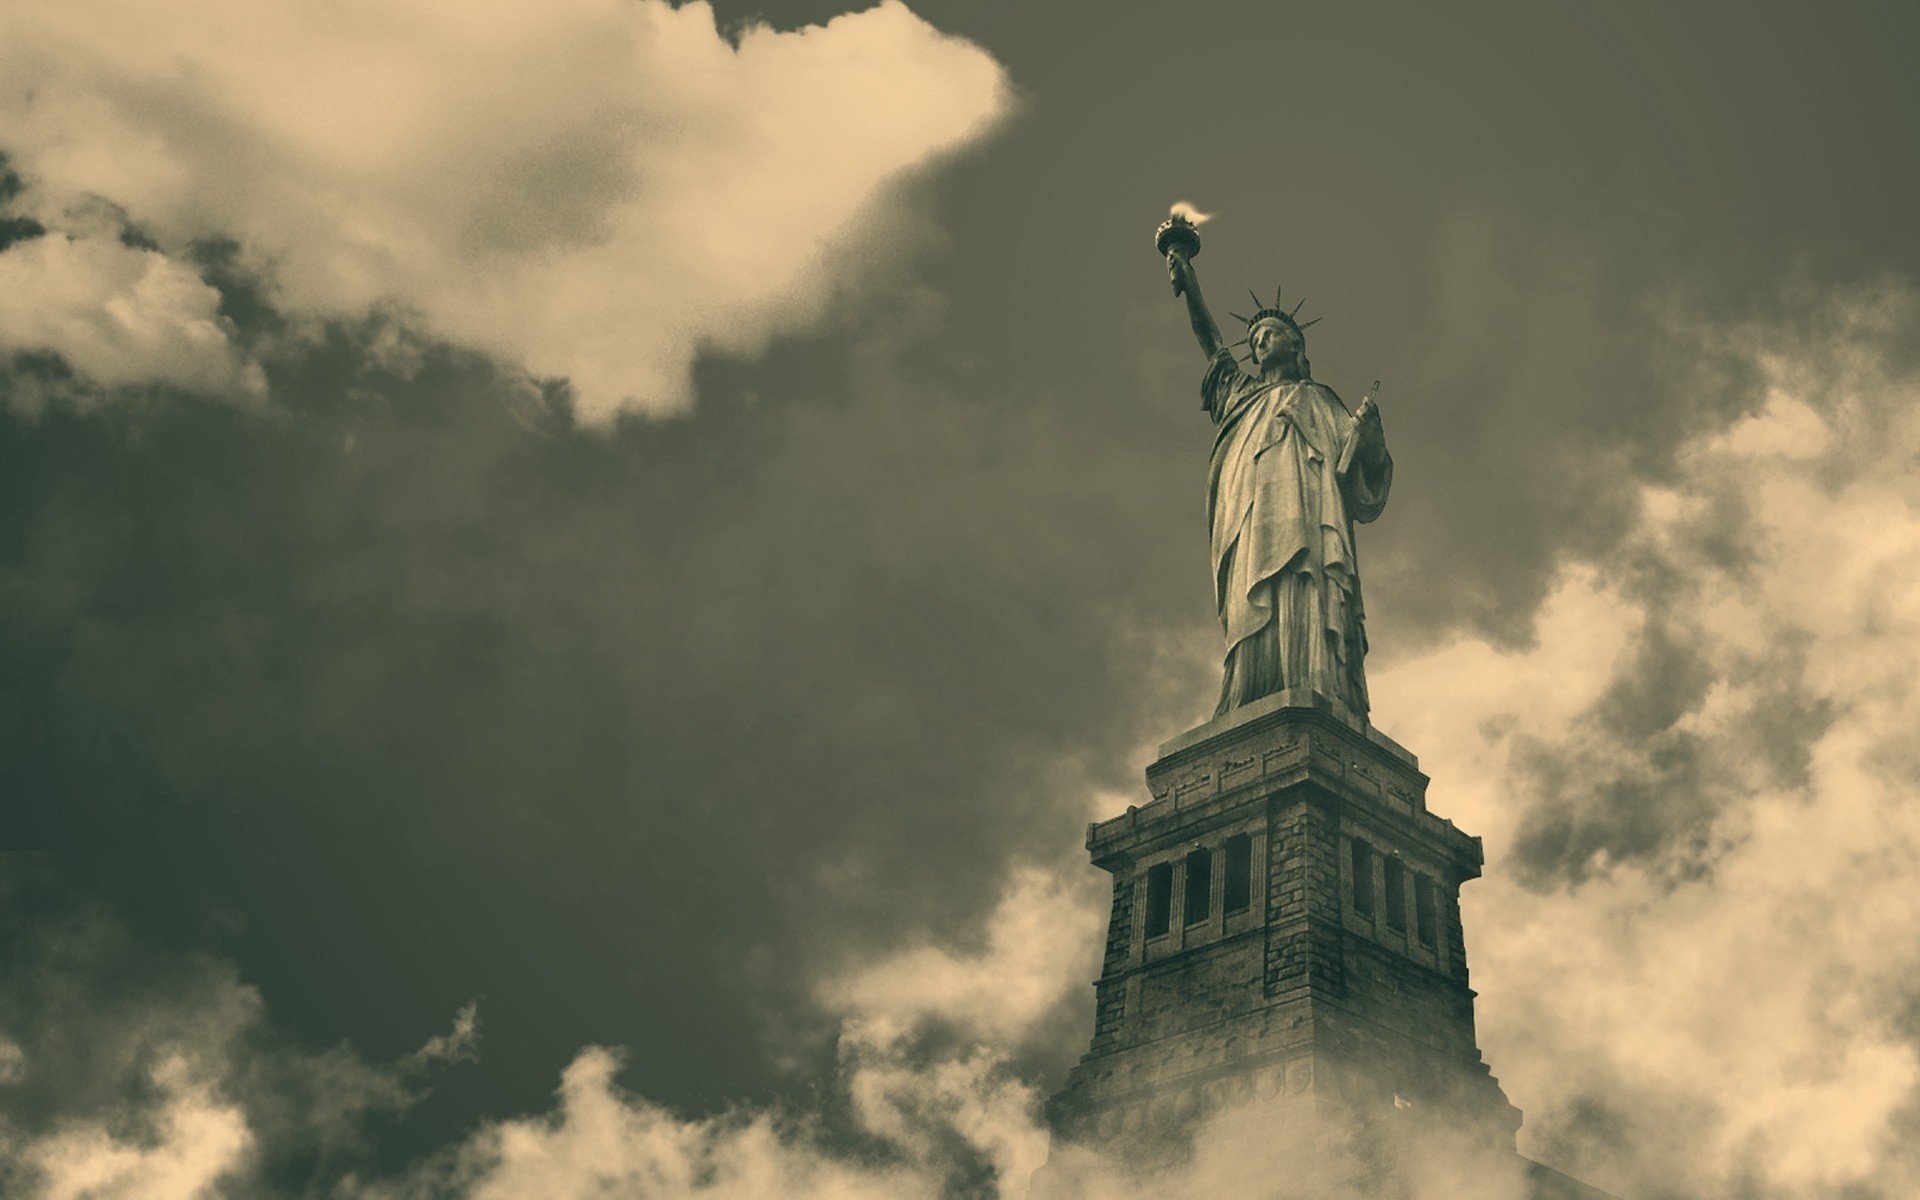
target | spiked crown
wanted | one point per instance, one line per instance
(1263, 312)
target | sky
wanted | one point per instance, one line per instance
(571, 575)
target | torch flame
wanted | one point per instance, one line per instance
(1183, 209)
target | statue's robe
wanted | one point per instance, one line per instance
(1292, 471)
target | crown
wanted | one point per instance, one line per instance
(1261, 312)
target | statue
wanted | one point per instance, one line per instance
(1292, 471)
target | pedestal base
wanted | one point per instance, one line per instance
(1283, 1008)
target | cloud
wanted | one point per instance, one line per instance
(922, 1077)
(182, 1091)
(811, 674)
(1693, 944)
(459, 1044)
(196, 1140)
(121, 316)
(1278, 1151)
(922, 1126)
(1040, 941)
(133, 1073)
(602, 1142)
(587, 189)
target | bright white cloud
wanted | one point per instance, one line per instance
(932, 1111)
(1040, 941)
(199, 1138)
(595, 189)
(1739, 1000)
(927, 1110)
(120, 316)
(601, 1142)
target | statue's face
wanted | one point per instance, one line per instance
(1272, 340)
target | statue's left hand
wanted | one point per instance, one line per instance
(1368, 410)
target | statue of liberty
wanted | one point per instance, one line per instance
(1292, 471)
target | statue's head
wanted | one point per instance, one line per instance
(1278, 344)
(1276, 340)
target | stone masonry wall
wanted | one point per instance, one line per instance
(1197, 988)
(1405, 998)
(1303, 896)
(1110, 993)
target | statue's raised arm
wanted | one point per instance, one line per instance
(1177, 240)
(1186, 282)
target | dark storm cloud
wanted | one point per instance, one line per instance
(603, 728)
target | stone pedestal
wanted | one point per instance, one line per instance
(1301, 1019)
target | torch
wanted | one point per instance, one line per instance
(1179, 234)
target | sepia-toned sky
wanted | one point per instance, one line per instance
(571, 574)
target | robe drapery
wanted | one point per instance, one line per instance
(1292, 471)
